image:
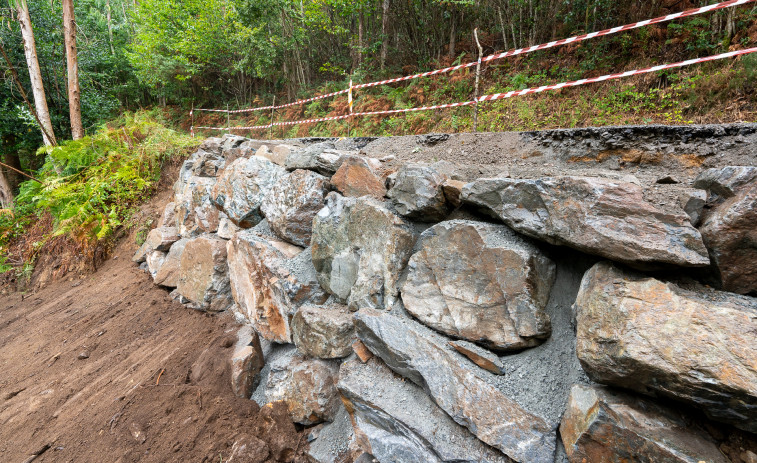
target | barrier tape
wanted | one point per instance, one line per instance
(500, 96)
(496, 56)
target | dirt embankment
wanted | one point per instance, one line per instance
(108, 368)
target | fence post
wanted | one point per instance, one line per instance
(349, 103)
(192, 119)
(478, 76)
(273, 108)
(228, 119)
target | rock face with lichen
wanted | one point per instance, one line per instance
(359, 248)
(601, 426)
(598, 216)
(480, 282)
(658, 338)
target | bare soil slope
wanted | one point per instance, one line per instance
(108, 368)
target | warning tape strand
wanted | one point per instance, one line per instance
(496, 56)
(510, 94)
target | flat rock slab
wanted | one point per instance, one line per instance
(480, 282)
(359, 249)
(658, 338)
(246, 362)
(600, 426)
(401, 423)
(158, 239)
(418, 194)
(325, 332)
(471, 402)
(292, 203)
(241, 187)
(308, 386)
(729, 229)
(481, 357)
(270, 280)
(204, 275)
(598, 216)
(320, 157)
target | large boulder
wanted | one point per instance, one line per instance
(246, 362)
(308, 386)
(359, 249)
(325, 332)
(169, 272)
(490, 415)
(480, 282)
(729, 229)
(598, 216)
(158, 239)
(195, 214)
(356, 178)
(320, 157)
(203, 274)
(292, 203)
(418, 193)
(401, 424)
(600, 426)
(270, 280)
(168, 217)
(658, 338)
(241, 187)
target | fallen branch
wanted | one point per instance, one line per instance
(39, 452)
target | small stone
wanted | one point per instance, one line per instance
(158, 239)
(168, 218)
(226, 228)
(361, 351)
(83, 355)
(356, 178)
(169, 272)
(481, 357)
(452, 190)
(323, 332)
(155, 261)
(692, 202)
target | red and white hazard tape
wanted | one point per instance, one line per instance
(500, 96)
(575, 83)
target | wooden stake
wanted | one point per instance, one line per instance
(478, 76)
(273, 108)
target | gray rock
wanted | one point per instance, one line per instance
(155, 261)
(692, 202)
(292, 203)
(204, 276)
(270, 280)
(604, 426)
(320, 157)
(212, 145)
(481, 357)
(485, 411)
(168, 218)
(226, 228)
(725, 181)
(158, 239)
(246, 361)
(169, 272)
(334, 440)
(658, 338)
(480, 282)
(417, 193)
(206, 163)
(730, 232)
(195, 213)
(401, 423)
(359, 249)
(308, 386)
(325, 332)
(241, 187)
(230, 141)
(597, 216)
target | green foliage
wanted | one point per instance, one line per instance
(93, 185)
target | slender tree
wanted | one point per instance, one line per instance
(35, 75)
(72, 64)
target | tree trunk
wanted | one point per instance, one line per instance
(110, 26)
(452, 36)
(74, 104)
(35, 75)
(384, 35)
(6, 193)
(360, 31)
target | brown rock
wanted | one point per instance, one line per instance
(480, 282)
(169, 272)
(600, 426)
(361, 351)
(356, 178)
(658, 338)
(730, 234)
(246, 362)
(270, 280)
(453, 189)
(481, 357)
(204, 277)
(158, 239)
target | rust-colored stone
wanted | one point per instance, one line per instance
(356, 178)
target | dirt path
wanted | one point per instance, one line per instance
(108, 368)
